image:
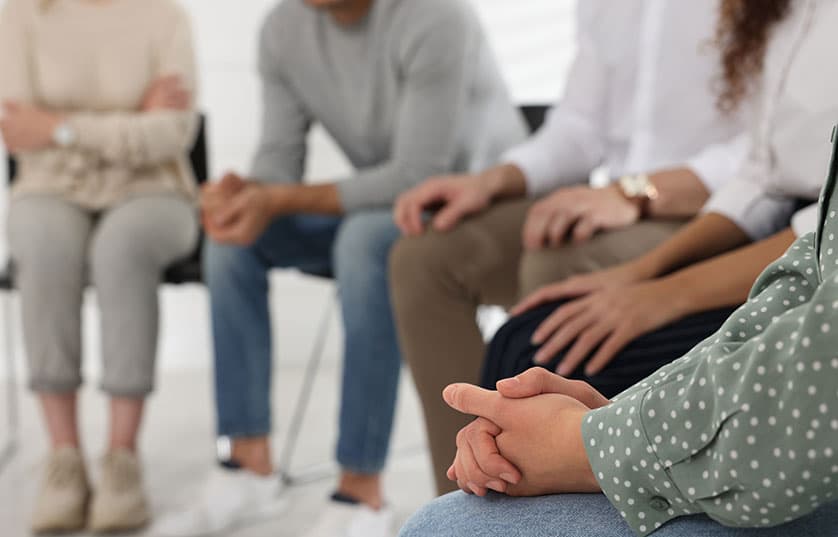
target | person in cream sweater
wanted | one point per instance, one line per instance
(97, 109)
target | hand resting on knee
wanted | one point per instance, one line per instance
(527, 438)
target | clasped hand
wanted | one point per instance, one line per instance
(235, 211)
(527, 438)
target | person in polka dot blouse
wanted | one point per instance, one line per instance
(742, 432)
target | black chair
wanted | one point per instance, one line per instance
(182, 272)
(534, 115)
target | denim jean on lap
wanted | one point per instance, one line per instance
(355, 250)
(579, 515)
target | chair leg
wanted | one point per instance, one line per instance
(9, 448)
(303, 400)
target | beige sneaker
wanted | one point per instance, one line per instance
(119, 502)
(61, 504)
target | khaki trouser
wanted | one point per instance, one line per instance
(58, 246)
(438, 281)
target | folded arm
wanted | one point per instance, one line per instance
(139, 138)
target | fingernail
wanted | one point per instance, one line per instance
(535, 340)
(538, 358)
(473, 488)
(509, 478)
(497, 486)
(448, 393)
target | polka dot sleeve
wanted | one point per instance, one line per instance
(744, 428)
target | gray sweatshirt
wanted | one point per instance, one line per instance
(411, 91)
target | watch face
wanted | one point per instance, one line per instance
(64, 136)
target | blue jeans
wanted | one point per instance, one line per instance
(354, 250)
(578, 515)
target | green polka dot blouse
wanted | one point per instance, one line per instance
(744, 427)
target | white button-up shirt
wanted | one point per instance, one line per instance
(788, 156)
(640, 97)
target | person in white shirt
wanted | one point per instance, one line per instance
(640, 106)
(695, 449)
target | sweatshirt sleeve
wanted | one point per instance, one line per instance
(742, 428)
(570, 144)
(142, 139)
(746, 200)
(281, 153)
(435, 52)
(15, 53)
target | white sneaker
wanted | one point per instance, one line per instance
(353, 520)
(231, 499)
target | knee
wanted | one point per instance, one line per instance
(363, 244)
(438, 519)
(542, 268)
(224, 263)
(49, 261)
(416, 262)
(114, 259)
(124, 244)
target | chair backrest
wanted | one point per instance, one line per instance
(198, 156)
(534, 115)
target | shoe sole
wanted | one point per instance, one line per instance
(63, 530)
(275, 510)
(268, 512)
(120, 527)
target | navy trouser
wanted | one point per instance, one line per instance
(511, 352)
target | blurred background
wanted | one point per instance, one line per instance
(533, 42)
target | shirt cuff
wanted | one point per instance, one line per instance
(805, 220)
(755, 212)
(535, 169)
(709, 170)
(627, 468)
(717, 164)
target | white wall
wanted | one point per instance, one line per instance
(533, 42)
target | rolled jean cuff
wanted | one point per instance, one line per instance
(349, 464)
(362, 469)
(53, 387)
(238, 431)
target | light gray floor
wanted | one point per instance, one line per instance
(177, 450)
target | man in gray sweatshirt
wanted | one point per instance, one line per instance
(408, 89)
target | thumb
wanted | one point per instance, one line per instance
(228, 213)
(230, 179)
(451, 214)
(470, 399)
(537, 381)
(584, 229)
(534, 381)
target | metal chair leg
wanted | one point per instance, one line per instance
(303, 400)
(9, 448)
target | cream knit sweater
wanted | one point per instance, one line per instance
(93, 61)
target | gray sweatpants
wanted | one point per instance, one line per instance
(57, 247)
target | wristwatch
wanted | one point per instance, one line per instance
(639, 188)
(64, 136)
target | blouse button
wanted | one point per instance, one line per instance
(659, 503)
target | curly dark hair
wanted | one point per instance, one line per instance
(743, 34)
